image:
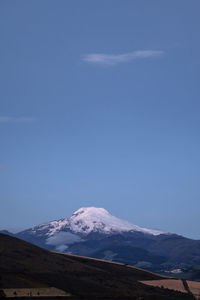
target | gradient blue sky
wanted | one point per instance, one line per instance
(99, 106)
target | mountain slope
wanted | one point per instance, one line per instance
(85, 224)
(24, 265)
(92, 219)
(87, 220)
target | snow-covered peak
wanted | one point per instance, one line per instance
(86, 220)
(85, 211)
(93, 219)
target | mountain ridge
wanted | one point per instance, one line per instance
(91, 219)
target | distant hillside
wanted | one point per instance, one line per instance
(23, 265)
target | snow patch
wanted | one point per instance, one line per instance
(51, 227)
(88, 219)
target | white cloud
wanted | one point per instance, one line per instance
(114, 59)
(63, 238)
(6, 119)
(61, 248)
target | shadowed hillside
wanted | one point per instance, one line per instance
(23, 265)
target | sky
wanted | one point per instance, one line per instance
(100, 106)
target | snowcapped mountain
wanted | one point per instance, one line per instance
(87, 220)
(85, 224)
(91, 219)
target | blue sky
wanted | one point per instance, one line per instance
(99, 106)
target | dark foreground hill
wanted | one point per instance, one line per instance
(23, 265)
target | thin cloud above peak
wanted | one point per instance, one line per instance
(115, 59)
(7, 119)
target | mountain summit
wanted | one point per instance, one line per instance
(88, 220)
(92, 219)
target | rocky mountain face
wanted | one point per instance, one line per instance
(94, 232)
